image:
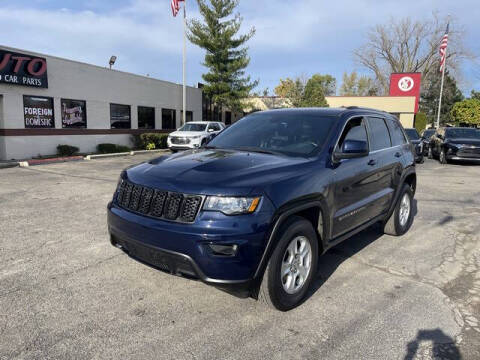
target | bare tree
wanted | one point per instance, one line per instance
(410, 46)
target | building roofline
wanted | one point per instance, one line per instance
(4, 47)
(376, 97)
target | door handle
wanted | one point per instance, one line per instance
(372, 162)
(398, 154)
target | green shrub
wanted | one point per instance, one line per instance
(420, 122)
(112, 148)
(150, 146)
(143, 140)
(67, 150)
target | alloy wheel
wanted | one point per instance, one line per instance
(296, 264)
(404, 212)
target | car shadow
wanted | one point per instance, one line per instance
(334, 257)
(442, 345)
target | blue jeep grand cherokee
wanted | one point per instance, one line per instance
(252, 211)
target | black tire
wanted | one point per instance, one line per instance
(393, 225)
(272, 290)
(443, 158)
(430, 152)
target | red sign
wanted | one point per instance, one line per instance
(406, 84)
(22, 69)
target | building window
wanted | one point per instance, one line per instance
(120, 116)
(169, 119)
(74, 113)
(146, 117)
(228, 117)
(189, 115)
(217, 114)
(38, 112)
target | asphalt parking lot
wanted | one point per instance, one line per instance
(66, 293)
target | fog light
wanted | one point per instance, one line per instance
(223, 250)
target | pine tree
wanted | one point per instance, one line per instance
(226, 58)
(431, 92)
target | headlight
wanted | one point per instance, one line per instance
(195, 137)
(231, 205)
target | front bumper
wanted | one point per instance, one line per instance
(184, 249)
(192, 144)
(463, 154)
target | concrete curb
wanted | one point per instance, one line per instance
(31, 162)
(8, 165)
(130, 153)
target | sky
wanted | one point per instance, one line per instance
(293, 38)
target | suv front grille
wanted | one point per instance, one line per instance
(180, 140)
(158, 204)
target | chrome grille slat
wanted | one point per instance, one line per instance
(158, 204)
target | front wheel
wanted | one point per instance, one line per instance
(292, 266)
(402, 216)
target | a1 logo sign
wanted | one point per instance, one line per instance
(406, 83)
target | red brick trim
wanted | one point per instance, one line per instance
(51, 132)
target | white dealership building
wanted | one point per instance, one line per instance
(46, 101)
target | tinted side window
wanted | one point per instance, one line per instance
(378, 134)
(354, 130)
(396, 132)
(215, 127)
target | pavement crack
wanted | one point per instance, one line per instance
(69, 175)
(76, 271)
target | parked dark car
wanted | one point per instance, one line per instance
(252, 211)
(417, 144)
(455, 143)
(426, 135)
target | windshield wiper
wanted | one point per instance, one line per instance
(256, 150)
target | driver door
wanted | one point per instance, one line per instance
(356, 182)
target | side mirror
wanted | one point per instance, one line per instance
(210, 130)
(352, 149)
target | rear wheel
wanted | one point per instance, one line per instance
(402, 217)
(443, 157)
(430, 153)
(292, 266)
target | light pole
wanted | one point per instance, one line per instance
(113, 58)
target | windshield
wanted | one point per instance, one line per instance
(193, 127)
(289, 133)
(412, 134)
(465, 133)
(428, 133)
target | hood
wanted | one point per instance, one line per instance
(186, 133)
(214, 171)
(466, 141)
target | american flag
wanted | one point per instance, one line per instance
(443, 49)
(175, 6)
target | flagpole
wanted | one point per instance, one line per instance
(443, 72)
(441, 90)
(184, 119)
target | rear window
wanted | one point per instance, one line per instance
(290, 133)
(378, 134)
(428, 133)
(412, 134)
(466, 133)
(396, 133)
